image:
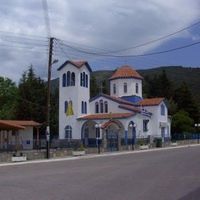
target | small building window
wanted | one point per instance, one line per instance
(86, 80)
(125, 87)
(136, 88)
(114, 88)
(64, 80)
(145, 125)
(65, 106)
(68, 132)
(101, 106)
(68, 78)
(106, 106)
(73, 79)
(162, 132)
(82, 107)
(162, 110)
(85, 105)
(96, 107)
(83, 79)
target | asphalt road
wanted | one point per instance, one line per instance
(161, 175)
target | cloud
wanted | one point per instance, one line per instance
(109, 25)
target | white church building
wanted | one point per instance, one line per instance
(116, 120)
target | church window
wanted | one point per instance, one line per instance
(162, 110)
(85, 105)
(72, 79)
(65, 106)
(82, 107)
(136, 88)
(86, 80)
(106, 106)
(83, 79)
(68, 78)
(145, 125)
(114, 88)
(125, 87)
(101, 106)
(64, 80)
(96, 107)
(68, 132)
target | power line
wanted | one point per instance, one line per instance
(125, 56)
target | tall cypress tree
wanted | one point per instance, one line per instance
(32, 97)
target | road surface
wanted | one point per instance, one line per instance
(161, 175)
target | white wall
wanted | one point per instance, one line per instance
(131, 87)
(26, 138)
(76, 94)
(112, 106)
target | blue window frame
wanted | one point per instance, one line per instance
(85, 105)
(101, 106)
(136, 88)
(125, 87)
(114, 88)
(72, 79)
(86, 80)
(106, 106)
(83, 79)
(64, 80)
(68, 78)
(65, 106)
(68, 132)
(96, 107)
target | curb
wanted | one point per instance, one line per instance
(109, 154)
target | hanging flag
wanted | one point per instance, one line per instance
(70, 109)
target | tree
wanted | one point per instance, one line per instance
(181, 122)
(8, 98)
(185, 101)
(32, 97)
(93, 87)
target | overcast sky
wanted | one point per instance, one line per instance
(96, 26)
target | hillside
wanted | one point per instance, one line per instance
(177, 74)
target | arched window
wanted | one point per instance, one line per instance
(85, 105)
(114, 89)
(83, 79)
(64, 80)
(162, 110)
(72, 79)
(65, 106)
(82, 107)
(96, 107)
(86, 80)
(68, 132)
(106, 106)
(101, 106)
(136, 88)
(68, 78)
(125, 87)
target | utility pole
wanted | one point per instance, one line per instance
(51, 39)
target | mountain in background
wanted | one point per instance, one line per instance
(177, 74)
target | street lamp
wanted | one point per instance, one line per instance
(133, 126)
(197, 126)
(98, 136)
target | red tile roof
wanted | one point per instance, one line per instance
(108, 116)
(16, 124)
(125, 72)
(151, 102)
(76, 63)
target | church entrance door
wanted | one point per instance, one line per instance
(112, 140)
